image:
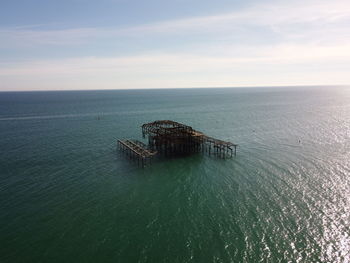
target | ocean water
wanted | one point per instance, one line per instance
(67, 195)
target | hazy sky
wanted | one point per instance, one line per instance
(119, 44)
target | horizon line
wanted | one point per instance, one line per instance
(199, 87)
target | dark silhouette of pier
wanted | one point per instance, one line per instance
(172, 138)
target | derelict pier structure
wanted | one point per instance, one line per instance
(172, 138)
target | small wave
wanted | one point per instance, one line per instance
(45, 117)
(60, 116)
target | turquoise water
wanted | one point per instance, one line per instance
(67, 195)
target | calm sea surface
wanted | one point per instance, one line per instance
(67, 195)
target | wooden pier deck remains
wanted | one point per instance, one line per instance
(136, 150)
(173, 138)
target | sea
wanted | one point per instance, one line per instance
(68, 195)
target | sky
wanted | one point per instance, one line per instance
(136, 44)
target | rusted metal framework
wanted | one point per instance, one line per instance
(172, 138)
(136, 150)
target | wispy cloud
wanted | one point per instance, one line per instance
(179, 70)
(291, 19)
(281, 43)
(273, 14)
(30, 37)
(180, 62)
